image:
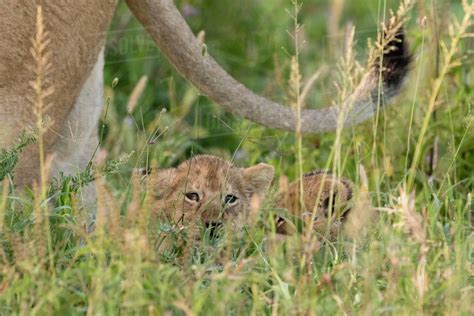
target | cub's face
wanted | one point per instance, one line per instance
(210, 189)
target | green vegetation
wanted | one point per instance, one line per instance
(413, 163)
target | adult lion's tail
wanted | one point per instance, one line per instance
(171, 33)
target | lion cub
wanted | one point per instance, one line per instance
(210, 188)
(325, 202)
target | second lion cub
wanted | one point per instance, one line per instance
(324, 201)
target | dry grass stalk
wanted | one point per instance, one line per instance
(136, 94)
(3, 202)
(413, 224)
(363, 213)
(193, 231)
(42, 66)
(389, 33)
(349, 76)
(255, 207)
(38, 230)
(334, 18)
(41, 87)
(41, 69)
(102, 204)
(310, 83)
(201, 37)
(133, 211)
(295, 94)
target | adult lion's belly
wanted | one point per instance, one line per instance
(76, 32)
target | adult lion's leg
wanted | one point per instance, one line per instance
(79, 135)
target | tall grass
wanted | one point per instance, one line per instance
(415, 259)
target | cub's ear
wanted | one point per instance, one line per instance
(258, 178)
(162, 180)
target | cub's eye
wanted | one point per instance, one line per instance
(192, 196)
(230, 199)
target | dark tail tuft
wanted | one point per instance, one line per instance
(396, 63)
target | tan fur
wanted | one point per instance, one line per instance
(212, 179)
(77, 31)
(325, 200)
